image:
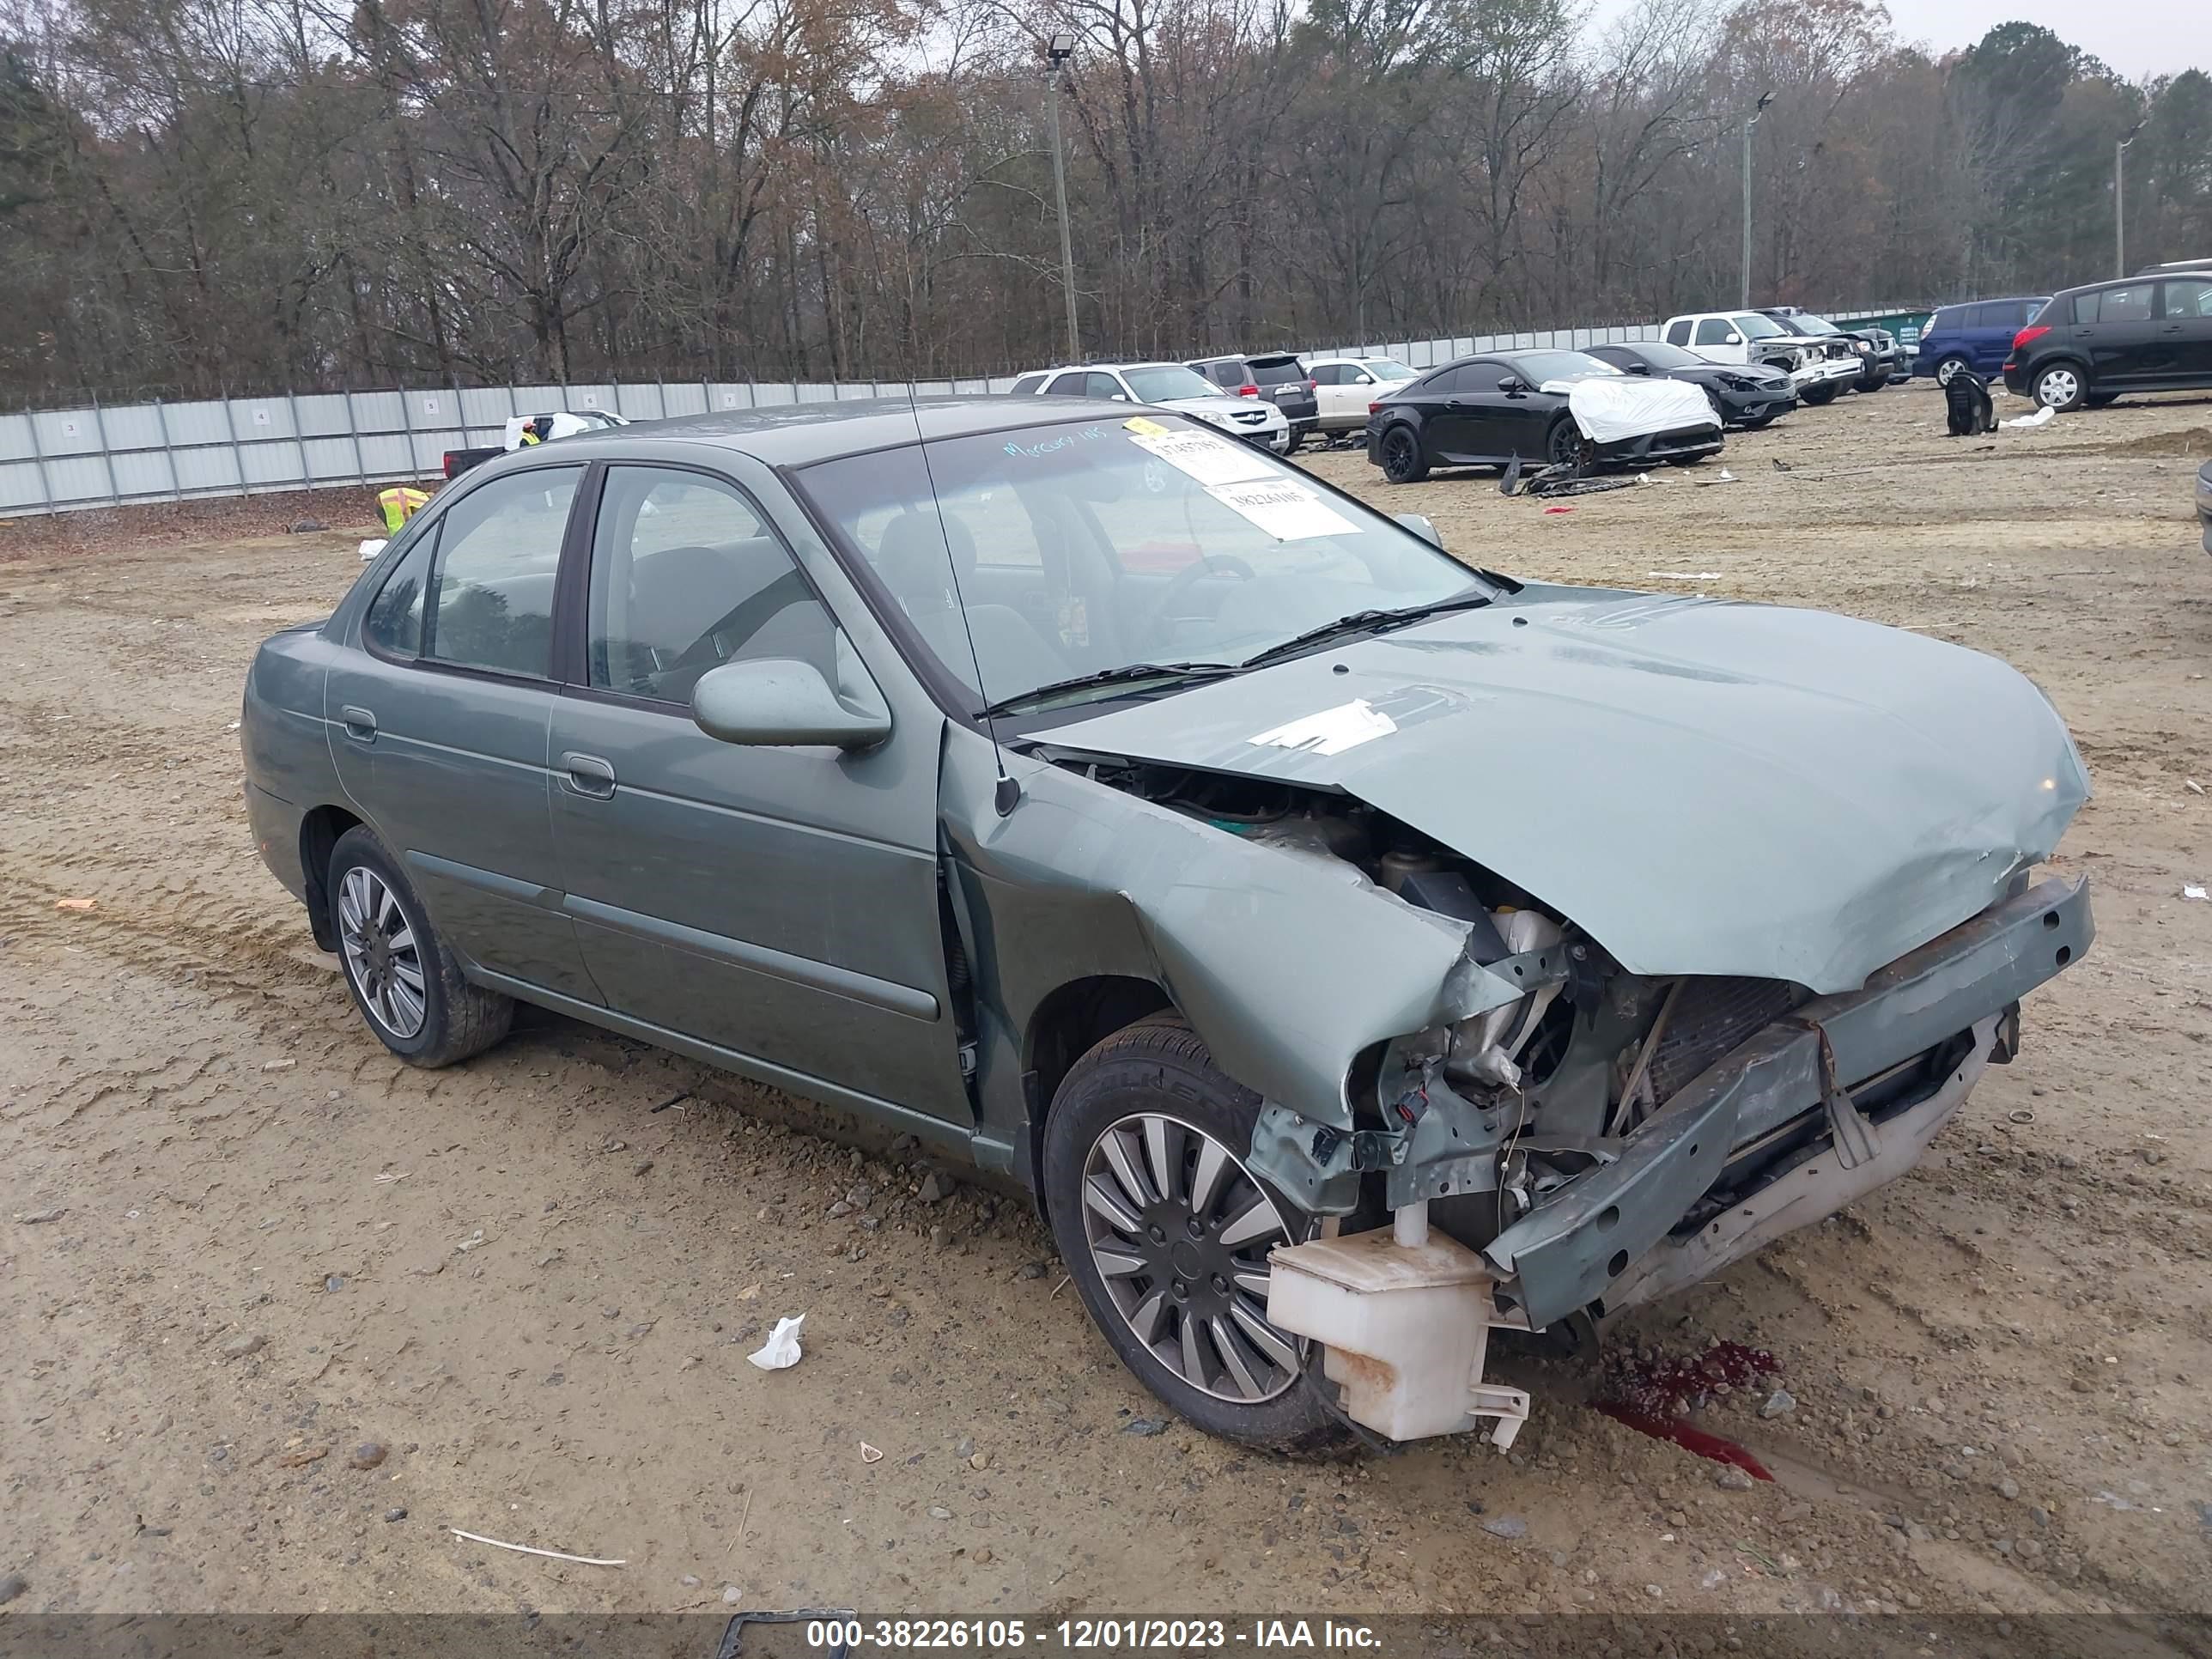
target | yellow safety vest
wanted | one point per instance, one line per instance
(399, 504)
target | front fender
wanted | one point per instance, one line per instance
(1288, 966)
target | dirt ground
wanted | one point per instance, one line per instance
(238, 1242)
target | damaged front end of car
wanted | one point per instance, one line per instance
(1576, 946)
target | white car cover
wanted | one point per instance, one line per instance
(1610, 407)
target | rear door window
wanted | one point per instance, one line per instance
(1328, 375)
(1027, 384)
(1678, 333)
(1067, 385)
(491, 588)
(2114, 304)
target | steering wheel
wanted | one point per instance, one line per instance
(1180, 583)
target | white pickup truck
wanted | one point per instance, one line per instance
(1746, 336)
(559, 423)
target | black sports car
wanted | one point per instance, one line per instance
(1487, 411)
(1748, 395)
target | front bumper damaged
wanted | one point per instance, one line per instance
(1587, 1245)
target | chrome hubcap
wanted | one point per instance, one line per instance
(381, 956)
(1179, 1231)
(1944, 371)
(2058, 388)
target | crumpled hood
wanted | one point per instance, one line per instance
(1706, 786)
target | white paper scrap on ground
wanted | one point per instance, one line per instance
(2042, 416)
(1685, 575)
(1331, 732)
(781, 1351)
(1209, 459)
(1287, 511)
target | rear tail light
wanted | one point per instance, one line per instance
(449, 464)
(1313, 385)
(2028, 335)
(1374, 409)
(1247, 391)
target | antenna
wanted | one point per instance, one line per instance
(1008, 793)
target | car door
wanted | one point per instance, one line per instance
(1453, 419)
(2184, 321)
(439, 723)
(1990, 330)
(1718, 341)
(1517, 421)
(780, 904)
(2116, 330)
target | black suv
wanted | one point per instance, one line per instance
(1279, 377)
(2092, 344)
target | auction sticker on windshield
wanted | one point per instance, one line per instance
(1286, 511)
(1207, 459)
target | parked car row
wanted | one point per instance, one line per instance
(2082, 347)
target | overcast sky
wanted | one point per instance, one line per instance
(2138, 38)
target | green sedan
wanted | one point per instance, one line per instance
(1353, 950)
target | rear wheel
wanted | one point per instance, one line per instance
(1165, 1233)
(2060, 387)
(1949, 366)
(407, 984)
(1821, 396)
(1402, 460)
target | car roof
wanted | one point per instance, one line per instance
(799, 435)
(2126, 281)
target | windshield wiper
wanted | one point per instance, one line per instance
(1364, 622)
(1166, 673)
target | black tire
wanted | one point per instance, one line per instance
(458, 1018)
(1291, 447)
(1950, 365)
(2063, 387)
(1158, 1068)
(1762, 423)
(1698, 460)
(1402, 459)
(2100, 399)
(1870, 383)
(1821, 396)
(1564, 445)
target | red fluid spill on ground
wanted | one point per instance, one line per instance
(1652, 1396)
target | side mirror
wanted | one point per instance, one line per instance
(1419, 524)
(1732, 339)
(1639, 369)
(1512, 385)
(778, 701)
(1365, 379)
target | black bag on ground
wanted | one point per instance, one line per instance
(1970, 409)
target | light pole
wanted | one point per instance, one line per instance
(2120, 201)
(1060, 49)
(1765, 99)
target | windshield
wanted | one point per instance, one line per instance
(1538, 366)
(1660, 355)
(1164, 383)
(1084, 547)
(1387, 368)
(1754, 326)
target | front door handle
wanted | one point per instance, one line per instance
(589, 775)
(360, 723)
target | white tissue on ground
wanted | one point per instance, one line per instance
(781, 1351)
(2043, 417)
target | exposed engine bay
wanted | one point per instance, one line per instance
(1603, 1137)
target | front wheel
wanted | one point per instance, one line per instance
(1564, 445)
(407, 984)
(2060, 387)
(1402, 460)
(1166, 1232)
(1821, 396)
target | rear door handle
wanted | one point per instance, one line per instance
(589, 775)
(360, 723)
